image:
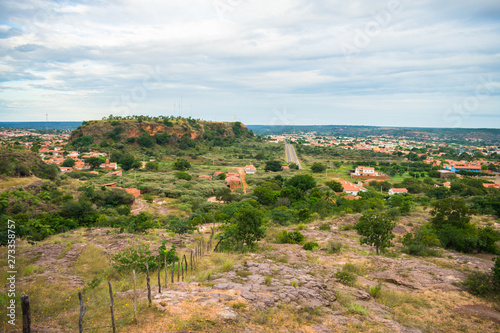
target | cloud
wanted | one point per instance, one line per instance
(394, 62)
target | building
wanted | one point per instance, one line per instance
(205, 177)
(454, 166)
(109, 166)
(233, 182)
(250, 169)
(66, 169)
(393, 191)
(351, 188)
(365, 171)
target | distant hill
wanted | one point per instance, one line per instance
(41, 125)
(160, 130)
(486, 134)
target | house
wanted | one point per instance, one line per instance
(116, 173)
(205, 177)
(488, 185)
(66, 169)
(365, 171)
(110, 185)
(397, 191)
(250, 169)
(109, 166)
(351, 188)
(233, 182)
(285, 167)
(454, 166)
(81, 166)
(134, 191)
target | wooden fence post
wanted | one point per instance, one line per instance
(148, 282)
(25, 306)
(191, 261)
(173, 269)
(82, 313)
(182, 269)
(178, 271)
(111, 307)
(135, 297)
(159, 272)
(165, 267)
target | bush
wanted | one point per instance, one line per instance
(293, 237)
(182, 165)
(479, 284)
(135, 257)
(375, 291)
(151, 166)
(420, 243)
(333, 247)
(318, 167)
(346, 277)
(183, 175)
(309, 246)
(325, 227)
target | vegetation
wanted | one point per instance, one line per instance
(376, 230)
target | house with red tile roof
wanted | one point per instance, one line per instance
(250, 169)
(205, 177)
(351, 188)
(397, 191)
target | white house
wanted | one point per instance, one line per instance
(397, 191)
(250, 169)
(365, 171)
(351, 188)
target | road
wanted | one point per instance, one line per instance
(291, 156)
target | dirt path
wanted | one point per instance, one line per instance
(138, 206)
(242, 173)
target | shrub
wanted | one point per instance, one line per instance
(152, 166)
(325, 227)
(479, 284)
(333, 247)
(420, 243)
(135, 257)
(182, 165)
(346, 277)
(183, 175)
(376, 230)
(309, 246)
(293, 237)
(375, 291)
(301, 226)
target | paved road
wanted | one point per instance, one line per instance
(291, 156)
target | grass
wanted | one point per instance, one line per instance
(17, 181)
(91, 263)
(69, 247)
(393, 299)
(268, 280)
(32, 269)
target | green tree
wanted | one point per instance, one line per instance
(182, 165)
(95, 161)
(273, 166)
(265, 195)
(68, 162)
(450, 211)
(318, 167)
(375, 230)
(246, 228)
(127, 161)
(151, 166)
(334, 185)
(145, 140)
(302, 182)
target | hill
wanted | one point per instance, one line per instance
(159, 130)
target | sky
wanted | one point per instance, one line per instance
(281, 62)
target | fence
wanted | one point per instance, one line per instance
(181, 267)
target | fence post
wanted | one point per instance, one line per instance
(182, 269)
(148, 282)
(191, 261)
(165, 267)
(178, 271)
(159, 272)
(173, 269)
(135, 297)
(25, 306)
(82, 313)
(111, 307)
